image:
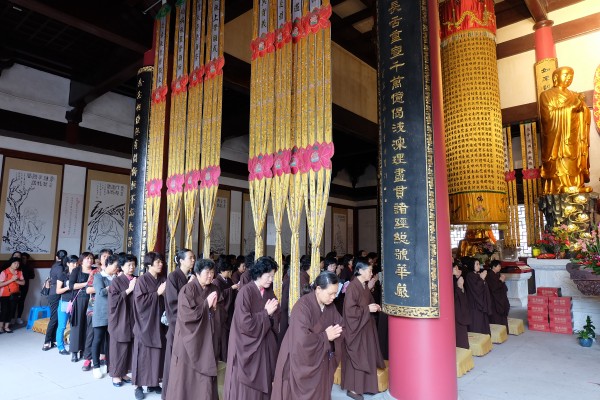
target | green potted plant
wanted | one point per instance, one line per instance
(587, 334)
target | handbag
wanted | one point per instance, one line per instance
(45, 288)
(70, 305)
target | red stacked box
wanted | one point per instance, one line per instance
(549, 291)
(561, 320)
(537, 313)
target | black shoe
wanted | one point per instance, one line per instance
(139, 393)
(74, 357)
(47, 346)
(64, 352)
(87, 365)
(155, 389)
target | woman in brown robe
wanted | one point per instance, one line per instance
(478, 296)
(252, 352)
(120, 320)
(184, 259)
(462, 315)
(311, 349)
(361, 355)
(149, 336)
(498, 295)
(194, 362)
(228, 291)
(240, 268)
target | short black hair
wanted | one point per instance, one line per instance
(328, 261)
(249, 260)
(152, 256)
(305, 263)
(262, 266)
(202, 264)
(223, 264)
(494, 263)
(360, 264)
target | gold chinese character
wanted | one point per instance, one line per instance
(402, 291)
(134, 158)
(395, 36)
(395, 21)
(138, 95)
(131, 213)
(396, 51)
(398, 144)
(402, 238)
(394, 7)
(137, 119)
(397, 98)
(398, 159)
(400, 223)
(398, 127)
(136, 131)
(396, 65)
(396, 82)
(133, 171)
(135, 144)
(138, 107)
(133, 184)
(130, 227)
(399, 177)
(400, 208)
(132, 199)
(402, 271)
(398, 113)
(400, 254)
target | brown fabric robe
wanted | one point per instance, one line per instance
(149, 333)
(225, 311)
(175, 281)
(235, 277)
(498, 295)
(193, 362)
(252, 353)
(285, 307)
(307, 359)
(245, 277)
(478, 297)
(361, 355)
(462, 317)
(120, 326)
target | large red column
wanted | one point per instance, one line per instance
(422, 344)
(544, 41)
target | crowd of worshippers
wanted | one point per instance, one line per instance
(480, 298)
(168, 333)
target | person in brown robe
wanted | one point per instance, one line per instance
(120, 320)
(311, 349)
(240, 268)
(194, 360)
(245, 277)
(462, 315)
(478, 296)
(361, 355)
(498, 294)
(252, 352)
(184, 259)
(149, 335)
(304, 280)
(228, 291)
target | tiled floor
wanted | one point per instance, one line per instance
(534, 365)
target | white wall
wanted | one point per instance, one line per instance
(367, 229)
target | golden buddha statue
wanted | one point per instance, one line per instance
(474, 238)
(565, 136)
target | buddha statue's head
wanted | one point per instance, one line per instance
(562, 76)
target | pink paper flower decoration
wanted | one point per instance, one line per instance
(533, 173)
(159, 94)
(297, 155)
(191, 180)
(179, 85)
(153, 187)
(318, 156)
(175, 183)
(210, 176)
(260, 167)
(281, 162)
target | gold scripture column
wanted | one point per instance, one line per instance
(472, 117)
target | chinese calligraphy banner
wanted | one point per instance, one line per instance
(408, 218)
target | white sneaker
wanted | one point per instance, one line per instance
(103, 369)
(19, 321)
(97, 373)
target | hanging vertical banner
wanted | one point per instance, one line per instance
(408, 223)
(511, 235)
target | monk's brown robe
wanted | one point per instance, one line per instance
(478, 297)
(149, 333)
(499, 298)
(175, 281)
(235, 277)
(285, 299)
(193, 362)
(225, 311)
(361, 355)
(462, 317)
(120, 326)
(307, 359)
(252, 352)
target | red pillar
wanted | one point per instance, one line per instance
(544, 41)
(423, 351)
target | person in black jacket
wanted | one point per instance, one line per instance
(55, 272)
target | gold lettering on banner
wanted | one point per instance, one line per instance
(399, 177)
(396, 65)
(398, 159)
(396, 82)
(402, 271)
(394, 7)
(398, 127)
(396, 51)
(397, 98)
(400, 208)
(400, 223)
(399, 144)
(402, 238)
(134, 171)
(402, 290)
(400, 254)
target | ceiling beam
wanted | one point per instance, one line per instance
(538, 9)
(358, 16)
(84, 23)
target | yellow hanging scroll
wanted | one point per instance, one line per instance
(281, 159)
(156, 135)
(262, 113)
(194, 119)
(532, 182)
(177, 130)
(211, 119)
(511, 235)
